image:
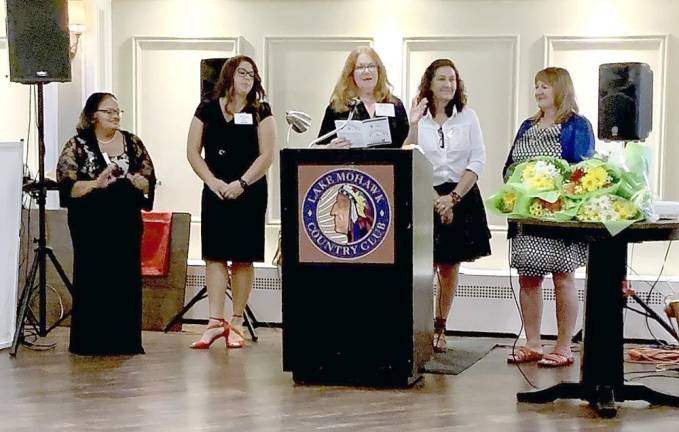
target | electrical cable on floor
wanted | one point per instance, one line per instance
(666, 363)
(650, 292)
(518, 308)
(656, 356)
(664, 357)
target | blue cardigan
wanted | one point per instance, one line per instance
(577, 140)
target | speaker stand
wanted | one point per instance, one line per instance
(42, 252)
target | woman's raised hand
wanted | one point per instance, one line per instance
(417, 110)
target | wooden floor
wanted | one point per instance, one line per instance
(173, 388)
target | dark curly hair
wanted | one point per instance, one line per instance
(424, 90)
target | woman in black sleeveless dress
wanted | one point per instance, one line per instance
(236, 130)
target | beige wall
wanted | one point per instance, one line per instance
(299, 45)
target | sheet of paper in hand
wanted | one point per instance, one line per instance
(366, 133)
(122, 166)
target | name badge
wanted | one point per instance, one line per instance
(384, 109)
(243, 118)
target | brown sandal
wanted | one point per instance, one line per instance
(556, 359)
(524, 355)
(440, 335)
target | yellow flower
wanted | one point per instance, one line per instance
(589, 183)
(540, 182)
(594, 179)
(599, 174)
(624, 209)
(536, 209)
(508, 201)
(528, 172)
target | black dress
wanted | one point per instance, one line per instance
(398, 124)
(232, 229)
(106, 230)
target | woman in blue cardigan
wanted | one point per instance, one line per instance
(555, 130)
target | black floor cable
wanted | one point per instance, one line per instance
(518, 308)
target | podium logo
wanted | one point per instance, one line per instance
(346, 214)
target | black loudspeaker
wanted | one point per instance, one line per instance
(625, 101)
(38, 40)
(209, 75)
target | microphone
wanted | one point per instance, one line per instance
(299, 121)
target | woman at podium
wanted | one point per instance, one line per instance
(236, 130)
(449, 134)
(105, 178)
(364, 89)
(554, 130)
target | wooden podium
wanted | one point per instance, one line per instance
(357, 265)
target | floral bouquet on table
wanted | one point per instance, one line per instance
(634, 165)
(592, 177)
(503, 202)
(554, 207)
(615, 212)
(613, 191)
(538, 174)
(535, 181)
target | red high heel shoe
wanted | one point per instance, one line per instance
(224, 333)
(237, 343)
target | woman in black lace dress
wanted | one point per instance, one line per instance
(105, 178)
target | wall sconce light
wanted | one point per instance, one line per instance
(76, 24)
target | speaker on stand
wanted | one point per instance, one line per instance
(209, 76)
(38, 42)
(625, 101)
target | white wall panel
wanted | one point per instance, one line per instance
(10, 215)
(14, 108)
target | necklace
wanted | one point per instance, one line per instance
(109, 141)
(100, 141)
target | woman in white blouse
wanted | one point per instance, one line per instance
(450, 136)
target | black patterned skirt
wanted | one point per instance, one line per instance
(467, 238)
(539, 256)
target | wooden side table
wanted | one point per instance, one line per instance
(601, 374)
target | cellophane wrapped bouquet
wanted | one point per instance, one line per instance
(611, 190)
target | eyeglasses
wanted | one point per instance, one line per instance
(243, 73)
(441, 137)
(111, 112)
(371, 67)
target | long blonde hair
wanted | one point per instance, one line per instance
(345, 89)
(564, 93)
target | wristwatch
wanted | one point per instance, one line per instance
(243, 183)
